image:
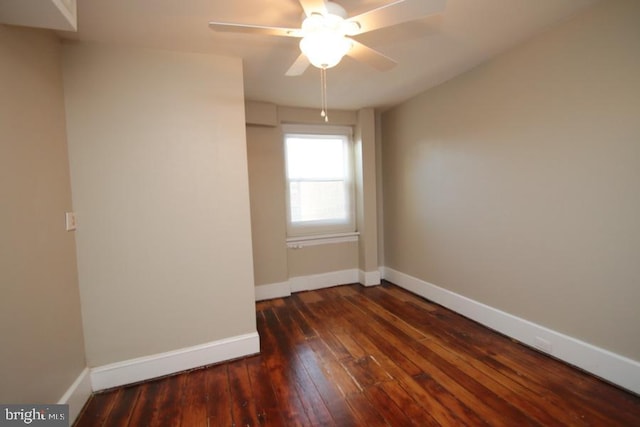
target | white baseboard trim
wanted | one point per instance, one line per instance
(316, 281)
(605, 364)
(324, 280)
(158, 365)
(77, 395)
(369, 278)
(273, 290)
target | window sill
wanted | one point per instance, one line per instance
(323, 239)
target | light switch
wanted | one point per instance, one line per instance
(70, 221)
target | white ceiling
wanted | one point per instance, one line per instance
(429, 51)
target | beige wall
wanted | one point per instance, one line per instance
(268, 205)
(319, 259)
(159, 177)
(274, 262)
(42, 349)
(517, 184)
(366, 191)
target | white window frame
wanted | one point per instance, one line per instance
(314, 229)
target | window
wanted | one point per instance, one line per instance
(319, 175)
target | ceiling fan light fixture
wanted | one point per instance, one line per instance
(350, 28)
(325, 49)
(324, 42)
(326, 30)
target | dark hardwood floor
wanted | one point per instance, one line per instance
(354, 356)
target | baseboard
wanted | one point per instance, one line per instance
(77, 395)
(273, 290)
(605, 364)
(369, 278)
(158, 365)
(316, 281)
(324, 280)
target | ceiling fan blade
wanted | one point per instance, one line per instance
(370, 56)
(396, 13)
(299, 66)
(311, 6)
(254, 29)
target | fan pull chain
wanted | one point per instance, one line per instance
(323, 83)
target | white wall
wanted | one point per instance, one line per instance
(517, 184)
(159, 177)
(42, 348)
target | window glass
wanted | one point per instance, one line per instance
(319, 182)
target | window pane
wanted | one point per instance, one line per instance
(319, 180)
(318, 201)
(315, 158)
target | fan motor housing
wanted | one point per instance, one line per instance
(336, 9)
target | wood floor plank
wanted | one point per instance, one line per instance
(383, 338)
(406, 296)
(264, 397)
(335, 370)
(195, 411)
(347, 341)
(309, 297)
(381, 356)
(412, 410)
(502, 386)
(387, 408)
(283, 384)
(123, 406)
(467, 332)
(324, 314)
(467, 389)
(301, 321)
(331, 394)
(219, 402)
(364, 303)
(243, 408)
(495, 383)
(390, 322)
(373, 341)
(365, 411)
(169, 398)
(457, 411)
(552, 402)
(290, 327)
(367, 371)
(545, 372)
(97, 409)
(438, 405)
(293, 337)
(147, 405)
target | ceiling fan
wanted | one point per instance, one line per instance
(326, 31)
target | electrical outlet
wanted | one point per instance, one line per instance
(543, 345)
(70, 221)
